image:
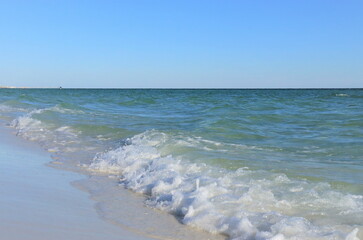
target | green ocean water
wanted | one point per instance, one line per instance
(302, 148)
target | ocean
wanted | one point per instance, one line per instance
(247, 163)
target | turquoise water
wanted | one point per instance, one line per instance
(253, 164)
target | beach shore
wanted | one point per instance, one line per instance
(176, 169)
(39, 202)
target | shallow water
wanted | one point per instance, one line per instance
(252, 164)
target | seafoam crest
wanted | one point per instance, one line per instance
(6, 108)
(60, 109)
(50, 136)
(244, 204)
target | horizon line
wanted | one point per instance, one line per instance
(186, 88)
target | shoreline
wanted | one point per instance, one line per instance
(91, 202)
(187, 165)
(38, 202)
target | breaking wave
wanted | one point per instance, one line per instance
(204, 180)
(243, 204)
(50, 136)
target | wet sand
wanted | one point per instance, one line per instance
(42, 202)
(37, 202)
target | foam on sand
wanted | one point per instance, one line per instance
(136, 220)
(241, 204)
(37, 202)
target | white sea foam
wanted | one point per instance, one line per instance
(5, 108)
(60, 109)
(27, 126)
(244, 204)
(50, 136)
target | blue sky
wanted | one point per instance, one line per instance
(181, 44)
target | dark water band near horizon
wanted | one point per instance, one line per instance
(248, 163)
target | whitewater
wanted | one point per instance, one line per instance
(248, 164)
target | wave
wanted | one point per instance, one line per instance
(60, 109)
(50, 136)
(26, 97)
(243, 204)
(14, 106)
(342, 95)
(5, 108)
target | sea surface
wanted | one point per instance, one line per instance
(250, 164)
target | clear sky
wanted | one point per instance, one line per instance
(187, 43)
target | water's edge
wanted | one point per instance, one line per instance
(109, 199)
(247, 164)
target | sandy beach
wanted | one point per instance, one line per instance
(37, 202)
(126, 164)
(41, 202)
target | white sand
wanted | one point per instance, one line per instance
(37, 202)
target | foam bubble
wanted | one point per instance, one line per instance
(4, 108)
(52, 137)
(243, 204)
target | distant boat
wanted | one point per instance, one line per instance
(60, 87)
